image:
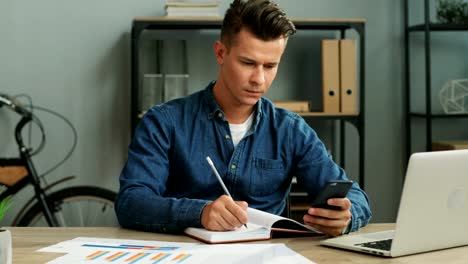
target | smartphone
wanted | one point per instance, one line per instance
(333, 189)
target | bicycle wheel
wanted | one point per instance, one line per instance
(76, 206)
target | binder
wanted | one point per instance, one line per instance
(348, 76)
(330, 76)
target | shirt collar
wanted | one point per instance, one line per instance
(213, 107)
(215, 111)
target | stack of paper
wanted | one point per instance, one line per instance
(192, 9)
(104, 250)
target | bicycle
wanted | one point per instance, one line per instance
(70, 206)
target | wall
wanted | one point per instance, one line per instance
(73, 57)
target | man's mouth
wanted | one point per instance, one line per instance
(255, 92)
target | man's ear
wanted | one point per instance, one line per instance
(220, 51)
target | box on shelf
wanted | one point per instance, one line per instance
(449, 145)
(295, 106)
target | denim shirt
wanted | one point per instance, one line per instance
(166, 181)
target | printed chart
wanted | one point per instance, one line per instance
(102, 250)
(83, 250)
(130, 258)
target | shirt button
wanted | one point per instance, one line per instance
(233, 167)
(227, 136)
(220, 115)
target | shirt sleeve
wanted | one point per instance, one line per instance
(314, 167)
(140, 203)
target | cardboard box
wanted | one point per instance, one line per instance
(449, 145)
(295, 106)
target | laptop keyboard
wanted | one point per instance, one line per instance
(381, 244)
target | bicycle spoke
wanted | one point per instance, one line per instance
(75, 208)
(60, 219)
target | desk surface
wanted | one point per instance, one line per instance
(27, 240)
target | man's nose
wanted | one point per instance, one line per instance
(258, 76)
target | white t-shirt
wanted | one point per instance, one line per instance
(238, 131)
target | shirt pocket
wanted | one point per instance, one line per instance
(267, 177)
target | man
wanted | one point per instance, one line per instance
(167, 185)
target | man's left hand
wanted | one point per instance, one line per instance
(329, 221)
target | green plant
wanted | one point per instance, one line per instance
(4, 204)
(452, 11)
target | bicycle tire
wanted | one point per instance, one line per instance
(64, 204)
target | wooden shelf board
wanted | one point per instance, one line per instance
(172, 23)
(309, 114)
(220, 19)
(298, 194)
(299, 207)
(323, 114)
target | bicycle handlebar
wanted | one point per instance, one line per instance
(6, 101)
(26, 117)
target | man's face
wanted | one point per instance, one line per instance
(247, 67)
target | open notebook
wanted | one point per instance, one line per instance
(261, 226)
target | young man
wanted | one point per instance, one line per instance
(167, 185)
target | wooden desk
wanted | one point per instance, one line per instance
(27, 240)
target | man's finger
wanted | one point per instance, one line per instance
(238, 212)
(310, 219)
(343, 203)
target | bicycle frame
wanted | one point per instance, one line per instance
(75, 206)
(20, 184)
(32, 176)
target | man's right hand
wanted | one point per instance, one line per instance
(224, 214)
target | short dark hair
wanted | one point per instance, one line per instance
(263, 18)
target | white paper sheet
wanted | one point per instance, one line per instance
(104, 250)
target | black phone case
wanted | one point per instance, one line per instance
(333, 189)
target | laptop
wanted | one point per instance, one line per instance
(433, 212)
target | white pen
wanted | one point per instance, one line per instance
(219, 178)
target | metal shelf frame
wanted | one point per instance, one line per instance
(427, 27)
(341, 25)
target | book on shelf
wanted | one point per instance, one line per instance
(261, 226)
(295, 106)
(192, 9)
(191, 2)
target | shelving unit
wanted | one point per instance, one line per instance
(427, 28)
(340, 25)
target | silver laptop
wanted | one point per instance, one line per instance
(433, 211)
